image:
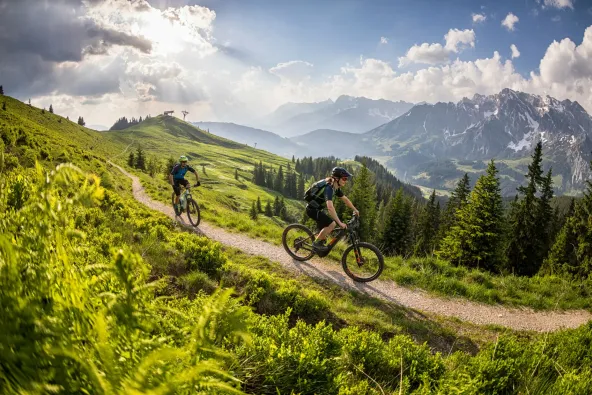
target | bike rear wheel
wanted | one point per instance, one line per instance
(193, 213)
(297, 240)
(362, 262)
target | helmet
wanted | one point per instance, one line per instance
(339, 172)
(182, 158)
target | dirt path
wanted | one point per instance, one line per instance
(481, 314)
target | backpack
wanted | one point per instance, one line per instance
(312, 193)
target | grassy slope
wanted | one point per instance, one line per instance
(225, 201)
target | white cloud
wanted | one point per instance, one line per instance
(509, 21)
(425, 53)
(292, 70)
(459, 39)
(559, 4)
(556, 18)
(383, 40)
(515, 52)
(477, 18)
(456, 41)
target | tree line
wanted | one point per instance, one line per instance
(475, 228)
(124, 123)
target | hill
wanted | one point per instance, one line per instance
(262, 139)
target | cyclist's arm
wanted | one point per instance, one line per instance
(333, 214)
(171, 179)
(191, 169)
(349, 204)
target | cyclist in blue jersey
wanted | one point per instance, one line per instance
(177, 178)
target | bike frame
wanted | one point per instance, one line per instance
(341, 233)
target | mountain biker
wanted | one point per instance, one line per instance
(177, 178)
(322, 193)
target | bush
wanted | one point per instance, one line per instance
(199, 253)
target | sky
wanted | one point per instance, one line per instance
(238, 60)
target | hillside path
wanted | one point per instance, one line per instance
(477, 313)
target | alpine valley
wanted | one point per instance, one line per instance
(433, 145)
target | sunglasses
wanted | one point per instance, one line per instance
(344, 178)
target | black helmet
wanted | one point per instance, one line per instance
(339, 172)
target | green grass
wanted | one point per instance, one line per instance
(443, 278)
(224, 200)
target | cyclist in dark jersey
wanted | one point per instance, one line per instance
(177, 178)
(323, 198)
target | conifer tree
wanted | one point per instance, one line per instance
(1, 90)
(300, 187)
(363, 197)
(253, 213)
(268, 211)
(81, 121)
(131, 162)
(475, 239)
(530, 219)
(51, 108)
(458, 198)
(395, 237)
(428, 226)
(278, 184)
(277, 208)
(140, 159)
(170, 163)
(259, 209)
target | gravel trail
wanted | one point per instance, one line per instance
(477, 313)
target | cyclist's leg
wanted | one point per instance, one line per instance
(324, 223)
(177, 190)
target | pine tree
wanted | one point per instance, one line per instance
(293, 160)
(380, 218)
(268, 211)
(253, 213)
(81, 121)
(277, 208)
(562, 257)
(300, 187)
(458, 198)
(43, 110)
(530, 218)
(363, 197)
(51, 108)
(140, 159)
(131, 162)
(259, 209)
(395, 237)
(428, 226)
(1, 90)
(278, 184)
(476, 239)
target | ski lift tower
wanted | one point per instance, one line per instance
(184, 114)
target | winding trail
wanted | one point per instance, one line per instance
(477, 313)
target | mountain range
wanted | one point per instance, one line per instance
(433, 145)
(346, 114)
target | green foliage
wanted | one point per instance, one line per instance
(51, 109)
(428, 227)
(475, 240)
(81, 322)
(254, 213)
(363, 197)
(397, 225)
(530, 220)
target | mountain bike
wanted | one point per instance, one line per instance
(187, 204)
(362, 262)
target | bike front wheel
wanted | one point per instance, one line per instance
(193, 213)
(297, 240)
(362, 262)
